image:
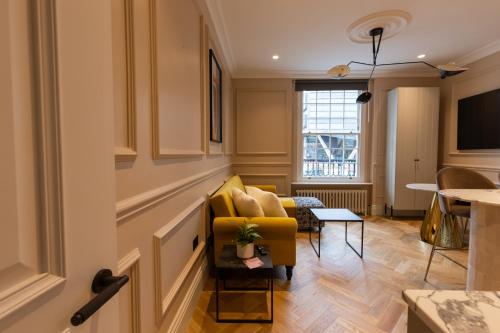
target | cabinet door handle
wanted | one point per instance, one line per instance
(105, 285)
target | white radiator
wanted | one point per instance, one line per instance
(354, 200)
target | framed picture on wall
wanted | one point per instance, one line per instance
(215, 99)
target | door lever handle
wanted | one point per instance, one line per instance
(105, 285)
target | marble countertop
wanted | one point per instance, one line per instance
(456, 310)
(423, 187)
(491, 197)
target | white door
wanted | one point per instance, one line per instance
(57, 189)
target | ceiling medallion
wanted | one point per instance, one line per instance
(392, 21)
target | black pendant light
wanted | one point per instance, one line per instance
(342, 71)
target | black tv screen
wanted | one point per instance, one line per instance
(479, 121)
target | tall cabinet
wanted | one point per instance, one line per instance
(412, 146)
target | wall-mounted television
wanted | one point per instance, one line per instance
(479, 121)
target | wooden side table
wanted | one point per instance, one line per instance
(228, 265)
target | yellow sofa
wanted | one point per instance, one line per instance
(277, 232)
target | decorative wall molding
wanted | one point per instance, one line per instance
(262, 164)
(284, 176)
(321, 74)
(133, 205)
(45, 83)
(286, 137)
(478, 154)
(162, 304)
(158, 151)
(471, 166)
(479, 53)
(217, 17)
(189, 301)
(130, 262)
(130, 151)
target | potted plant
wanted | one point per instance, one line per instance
(244, 240)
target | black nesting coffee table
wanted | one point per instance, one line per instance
(228, 265)
(335, 215)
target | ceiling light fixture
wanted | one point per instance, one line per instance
(276, 57)
(341, 71)
(421, 56)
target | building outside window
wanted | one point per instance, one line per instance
(331, 134)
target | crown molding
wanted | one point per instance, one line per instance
(217, 18)
(479, 53)
(320, 74)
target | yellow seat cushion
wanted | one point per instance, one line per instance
(289, 205)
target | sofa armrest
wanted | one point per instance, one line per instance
(267, 188)
(268, 227)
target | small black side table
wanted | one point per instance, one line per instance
(336, 215)
(229, 265)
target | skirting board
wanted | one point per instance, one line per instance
(377, 210)
(184, 313)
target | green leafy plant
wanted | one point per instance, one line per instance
(247, 234)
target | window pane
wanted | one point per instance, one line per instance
(329, 150)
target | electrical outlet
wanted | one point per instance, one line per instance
(195, 242)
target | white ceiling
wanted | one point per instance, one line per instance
(310, 35)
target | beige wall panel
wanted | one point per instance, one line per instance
(152, 192)
(483, 76)
(20, 222)
(179, 117)
(279, 179)
(260, 129)
(123, 79)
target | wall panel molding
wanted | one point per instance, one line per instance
(46, 101)
(262, 164)
(470, 166)
(286, 138)
(162, 304)
(130, 262)
(283, 176)
(130, 151)
(134, 205)
(190, 299)
(164, 152)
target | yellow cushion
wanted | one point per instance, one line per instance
(269, 202)
(245, 204)
(222, 201)
(289, 206)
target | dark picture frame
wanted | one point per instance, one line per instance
(215, 77)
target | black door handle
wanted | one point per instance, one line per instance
(105, 285)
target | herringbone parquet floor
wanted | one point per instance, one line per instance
(339, 292)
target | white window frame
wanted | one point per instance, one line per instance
(300, 149)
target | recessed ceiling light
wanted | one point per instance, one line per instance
(421, 56)
(276, 57)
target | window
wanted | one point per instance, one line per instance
(331, 130)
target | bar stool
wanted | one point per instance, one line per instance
(455, 178)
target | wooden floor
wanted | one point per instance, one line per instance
(339, 292)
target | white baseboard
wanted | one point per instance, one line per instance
(184, 313)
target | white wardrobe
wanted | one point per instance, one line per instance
(412, 147)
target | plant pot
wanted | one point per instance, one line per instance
(245, 252)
